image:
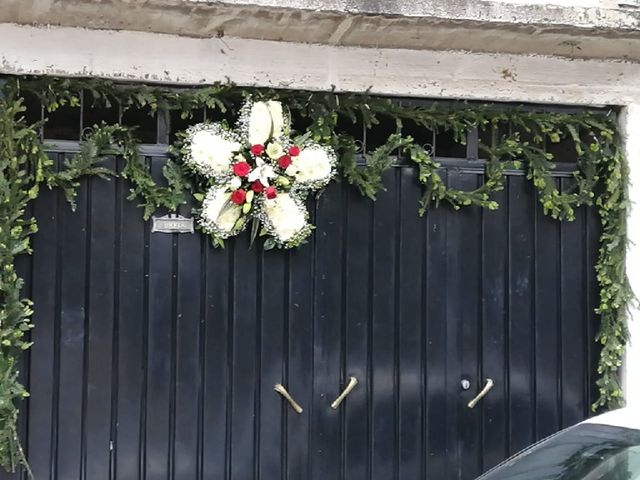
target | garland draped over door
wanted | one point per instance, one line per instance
(600, 178)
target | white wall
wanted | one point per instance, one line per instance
(630, 123)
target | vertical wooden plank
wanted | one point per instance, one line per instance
(188, 365)
(246, 289)
(521, 361)
(132, 305)
(45, 284)
(574, 318)
(299, 343)
(270, 341)
(71, 347)
(547, 300)
(383, 375)
(438, 410)
(100, 311)
(495, 253)
(160, 351)
(217, 332)
(452, 339)
(409, 324)
(464, 263)
(328, 381)
(358, 310)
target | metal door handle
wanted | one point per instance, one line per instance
(353, 381)
(283, 391)
(488, 386)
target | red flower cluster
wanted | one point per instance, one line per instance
(294, 151)
(238, 196)
(271, 192)
(256, 149)
(284, 161)
(242, 169)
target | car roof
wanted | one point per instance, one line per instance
(627, 417)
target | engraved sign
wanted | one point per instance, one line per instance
(172, 223)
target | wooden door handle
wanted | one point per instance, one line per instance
(353, 381)
(488, 386)
(283, 391)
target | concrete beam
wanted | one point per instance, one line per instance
(550, 13)
(590, 31)
(150, 57)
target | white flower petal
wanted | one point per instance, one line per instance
(268, 171)
(211, 151)
(218, 216)
(260, 124)
(286, 217)
(312, 164)
(277, 117)
(262, 172)
(275, 150)
(235, 183)
(291, 170)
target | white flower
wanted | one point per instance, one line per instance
(235, 183)
(263, 172)
(219, 215)
(275, 150)
(260, 123)
(311, 165)
(275, 109)
(291, 170)
(286, 217)
(211, 152)
(266, 120)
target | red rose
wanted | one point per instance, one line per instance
(284, 161)
(271, 192)
(238, 196)
(257, 186)
(241, 169)
(294, 151)
(257, 149)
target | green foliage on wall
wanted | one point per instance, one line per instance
(600, 178)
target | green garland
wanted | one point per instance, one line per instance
(600, 178)
(19, 184)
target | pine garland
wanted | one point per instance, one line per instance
(600, 179)
(22, 162)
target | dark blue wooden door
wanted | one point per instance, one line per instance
(155, 356)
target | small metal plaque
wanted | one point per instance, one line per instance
(172, 223)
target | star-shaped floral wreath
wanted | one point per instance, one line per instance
(257, 174)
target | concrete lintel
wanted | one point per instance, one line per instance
(603, 15)
(150, 57)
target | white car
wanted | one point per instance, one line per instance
(606, 447)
